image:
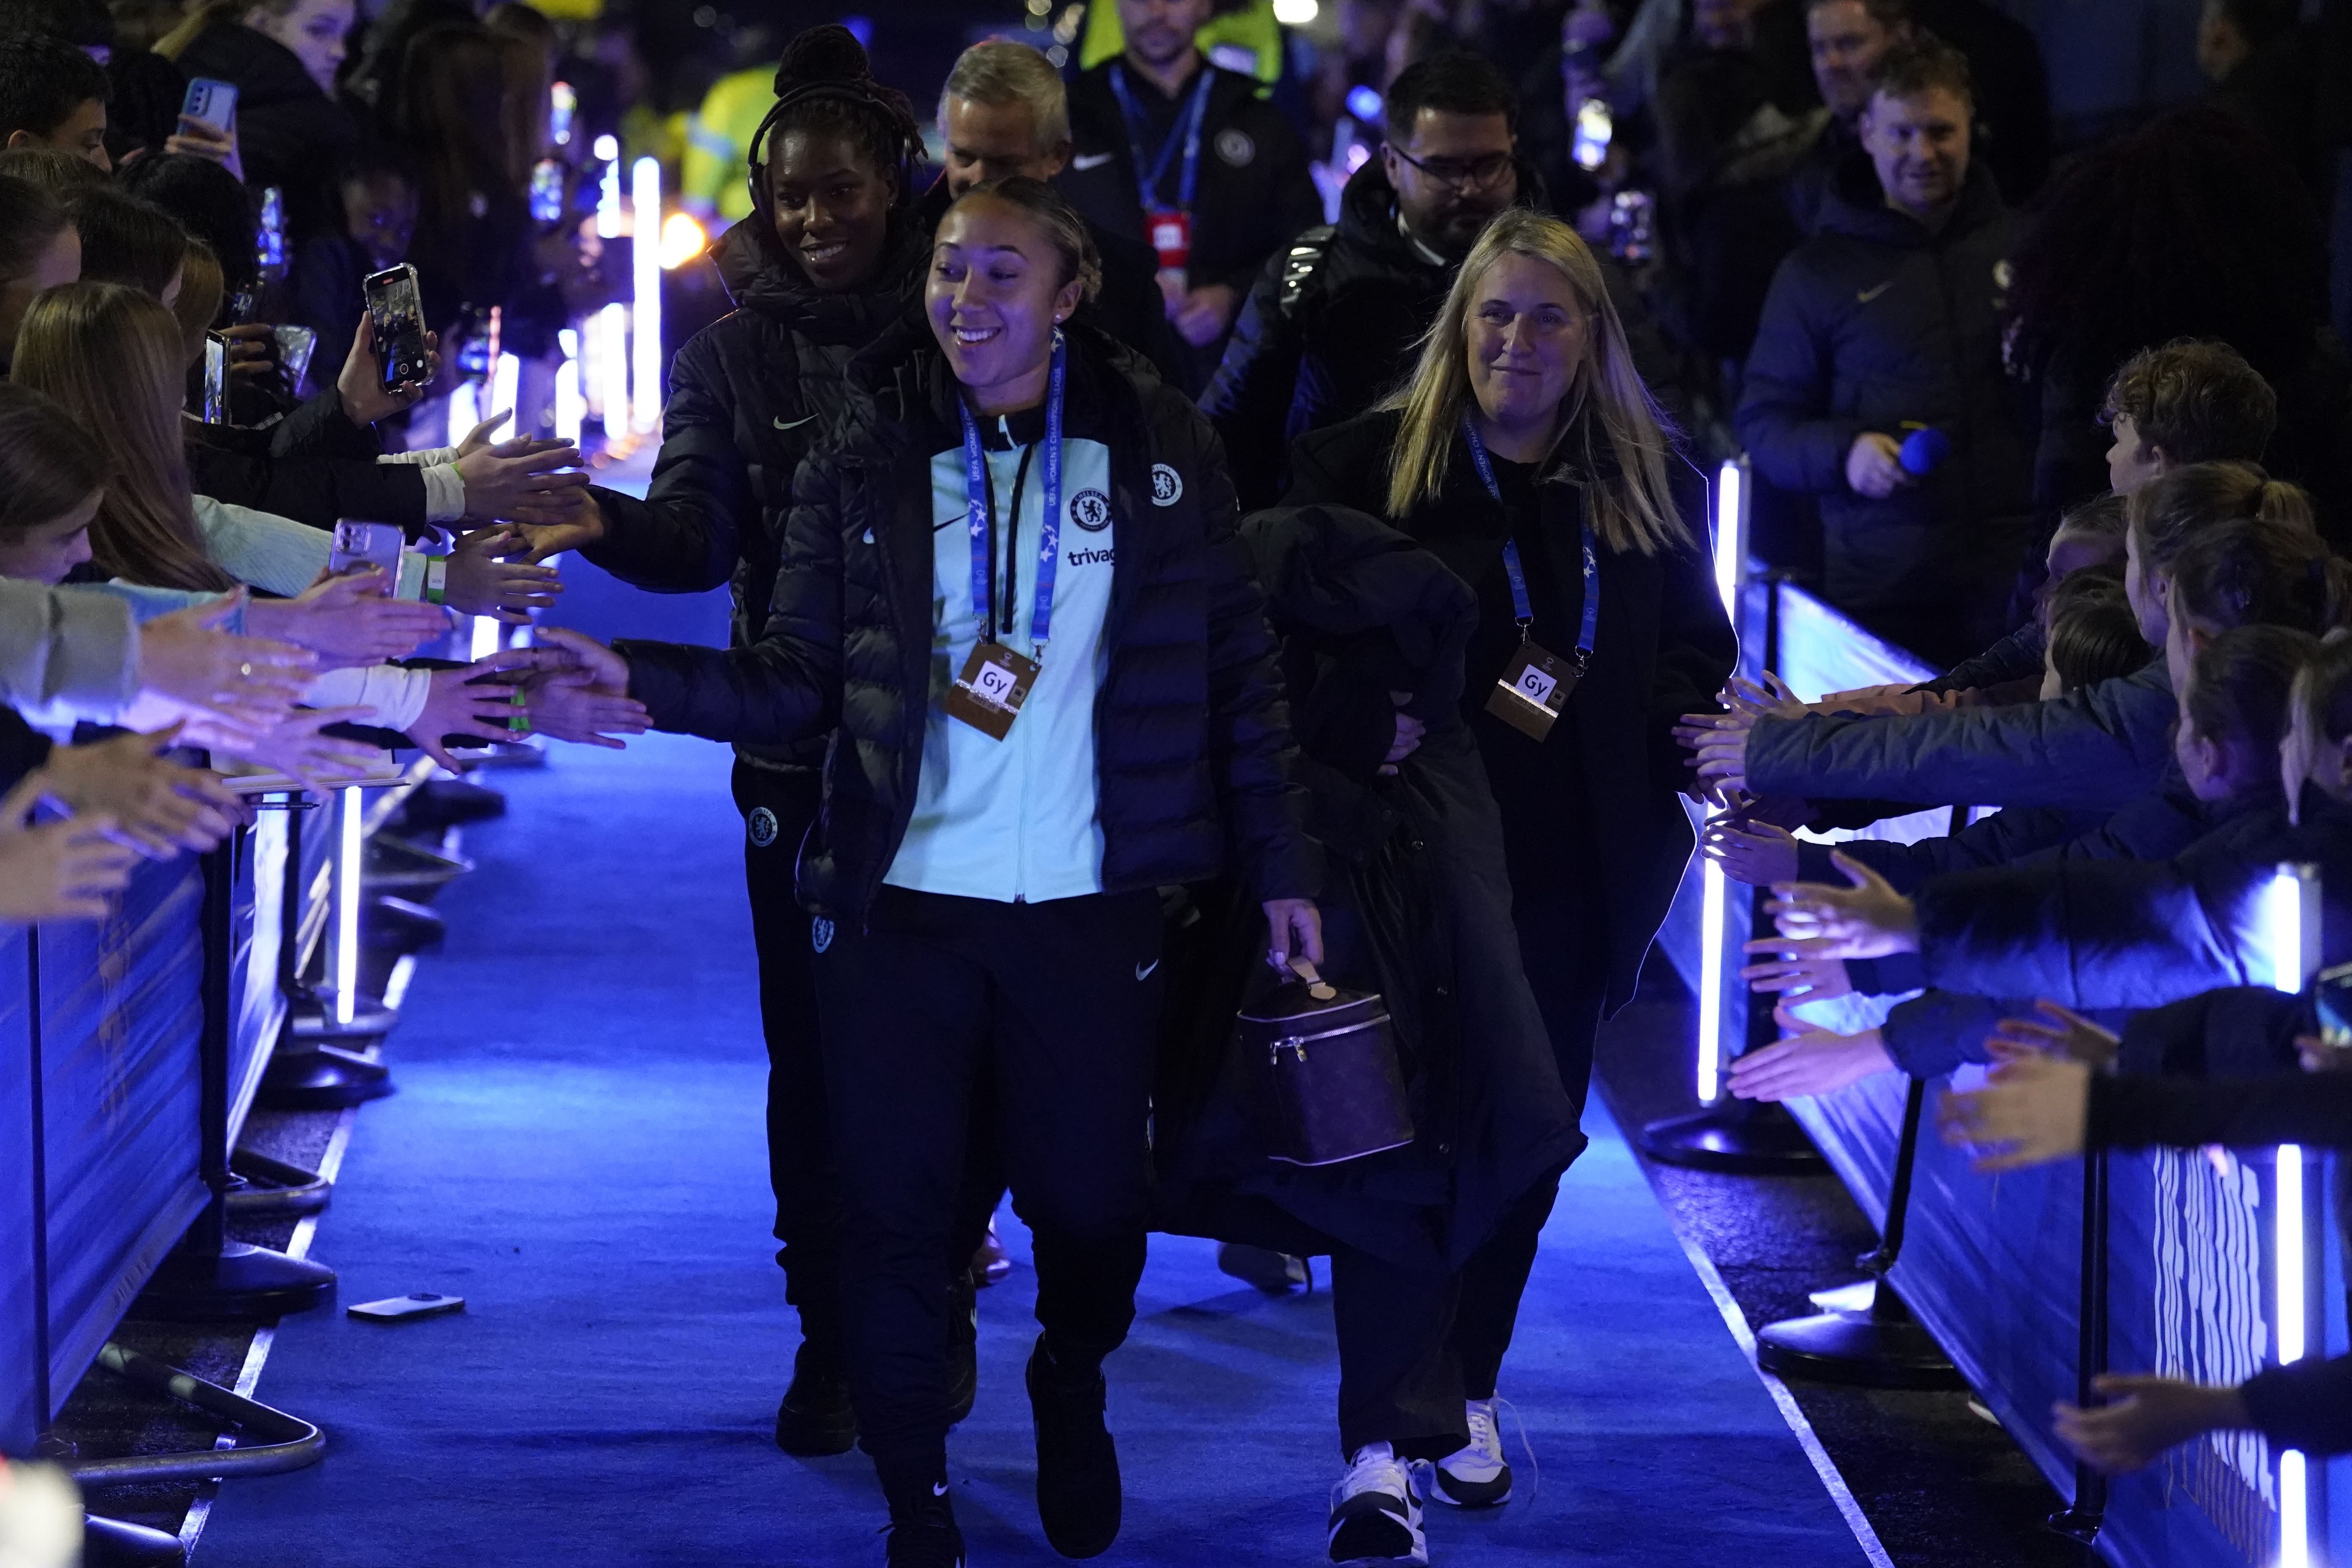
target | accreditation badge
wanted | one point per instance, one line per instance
(1171, 236)
(988, 693)
(1532, 690)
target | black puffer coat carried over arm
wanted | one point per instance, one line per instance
(1194, 754)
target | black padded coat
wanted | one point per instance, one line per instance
(1194, 754)
(750, 396)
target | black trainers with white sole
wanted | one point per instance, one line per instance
(1476, 1477)
(923, 1533)
(1376, 1512)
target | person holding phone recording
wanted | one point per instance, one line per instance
(984, 873)
(1526, 454)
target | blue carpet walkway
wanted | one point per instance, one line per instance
(576, 1149)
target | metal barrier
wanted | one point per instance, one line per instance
(2171, 1262)
(131, 1051)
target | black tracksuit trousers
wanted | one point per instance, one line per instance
(931, 999)
(800, 1148)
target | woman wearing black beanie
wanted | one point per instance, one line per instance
(827, 260)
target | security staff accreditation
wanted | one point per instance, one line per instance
(1169, 149)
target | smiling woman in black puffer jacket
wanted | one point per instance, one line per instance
(1023, 497)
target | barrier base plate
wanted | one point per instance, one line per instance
(1884, 1347)
(1739, 1138)
(243, 1285)
(115, 1543)
(326, 1079)
(2077, 1525)
(398, 925)
(316, 1020)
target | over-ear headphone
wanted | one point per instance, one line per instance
(860, 93)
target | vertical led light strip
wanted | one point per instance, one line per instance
(1730, 532)
(347, 909)
(645, 319)
(506, 390)
(1711, 982)
(608, 189)
(1730, 551)
(2290, 903)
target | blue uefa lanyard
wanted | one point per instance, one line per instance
(980, 519)
(1520, 607)
(1186, 129)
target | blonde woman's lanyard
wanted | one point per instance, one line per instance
(996, 680)
(1534, 687)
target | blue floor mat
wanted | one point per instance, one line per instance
(577, 1148)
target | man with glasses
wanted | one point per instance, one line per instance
(1334, 320)
(1192, 160)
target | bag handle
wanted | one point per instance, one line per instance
(1317, 987)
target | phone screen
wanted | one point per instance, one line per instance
(215, 409)
(270, 233)
(295, 346)
(397, 313)
(547, 191)
(213, 102)
(2334, 1005)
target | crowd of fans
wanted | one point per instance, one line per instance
(1384, 378)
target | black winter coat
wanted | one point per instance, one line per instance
(1194, 753)
(1330, 327)
(1663, 649)
(1873, 323)
(751, 396)
(289, 133)
(1417, 907)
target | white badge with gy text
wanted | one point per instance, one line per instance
(1533, 688)
(988, 693)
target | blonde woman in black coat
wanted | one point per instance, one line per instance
(1526, 455)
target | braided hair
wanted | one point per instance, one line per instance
(825, 85)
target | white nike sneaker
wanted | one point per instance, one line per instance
(1375, 1511)
(1477, 1476)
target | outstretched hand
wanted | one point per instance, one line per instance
(2033, 1109)
(586, 701)
(1868, 920)
(2144, 1416)
(483, 583)
(59, 870)
(2068, 1035)
(162, 806)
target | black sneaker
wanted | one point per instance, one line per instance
(1376, 1512)
(1078, 1465)
(815, 1418)
(923, 1533)
(964, 1347)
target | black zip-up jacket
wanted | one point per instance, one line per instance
(750, 396)
(1329, 326)
(1194, 753)
(1877, 321)
(1251, 196)
(1662, 648)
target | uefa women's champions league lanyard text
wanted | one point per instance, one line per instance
(996, 680)
(1534, 687)
(1169, 230)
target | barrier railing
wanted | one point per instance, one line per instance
(132, 1049)
(2006, 1272)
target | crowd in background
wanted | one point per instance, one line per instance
(1392, 369)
